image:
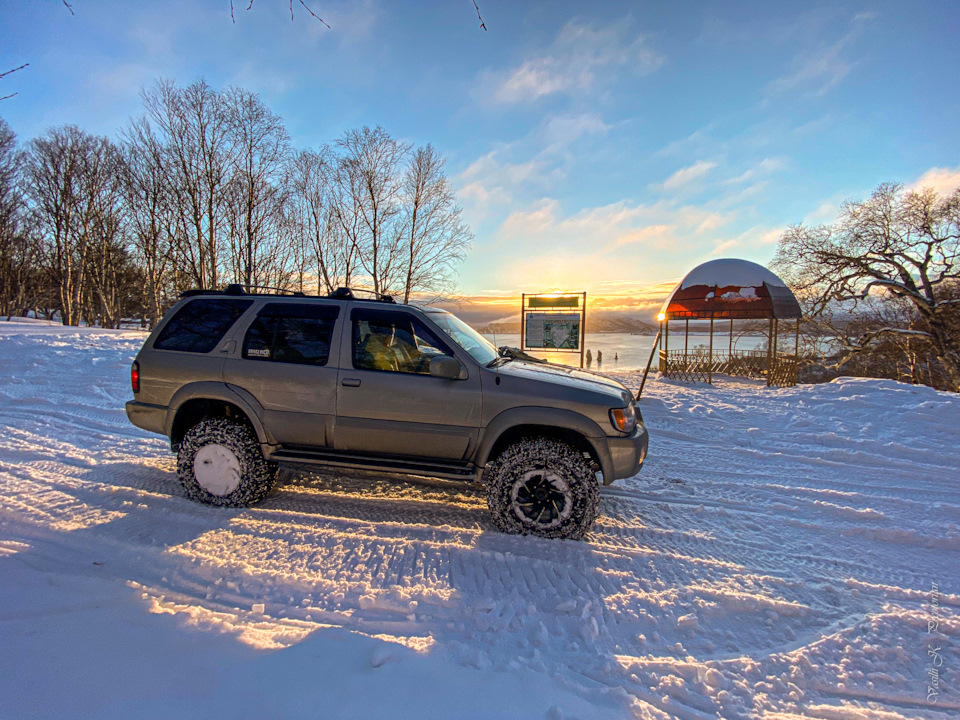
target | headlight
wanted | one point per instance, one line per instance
(624, 419)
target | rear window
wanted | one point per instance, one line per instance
(291, 333)
(200, 324)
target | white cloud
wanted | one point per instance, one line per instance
(538, 220)
(572, 63)
(686, 175)
(825, 213)
(816, 71)
(533, 79)
(562, 130)
(695, 142)
(751, 240)
(607, 228)
(495, 178)
(943, 180)
(761, 169)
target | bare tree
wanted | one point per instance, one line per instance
(204, 189)
(194, 128)
(435, 237)
(322, 220)
(110, 269)
(18, 256)
(156, 225)
(260, 146)
(59, 180)
(370, 182)
(900, 244)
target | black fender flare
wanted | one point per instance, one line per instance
(549, 417)
(211, 390)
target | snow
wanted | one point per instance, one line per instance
(786, 553)
(725, 272)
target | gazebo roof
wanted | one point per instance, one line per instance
(730, 288)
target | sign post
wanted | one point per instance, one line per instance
(554, 322)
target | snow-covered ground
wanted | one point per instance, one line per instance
(784, 554)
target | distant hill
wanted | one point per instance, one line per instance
(595, 324)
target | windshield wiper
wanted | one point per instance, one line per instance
(507, 353)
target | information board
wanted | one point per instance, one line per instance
(552, 331)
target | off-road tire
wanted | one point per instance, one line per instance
(256, 476)
(532, 461)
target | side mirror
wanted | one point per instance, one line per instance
(445, 367)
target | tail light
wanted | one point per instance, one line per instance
(135, 376)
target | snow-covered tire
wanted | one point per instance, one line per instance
(220, 463)
(542, 486)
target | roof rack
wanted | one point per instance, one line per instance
(345, 293)
(338, 294)
(237, 289)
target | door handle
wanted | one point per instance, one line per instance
(350, 382)
(228, 347)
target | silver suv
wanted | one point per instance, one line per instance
(242, 382)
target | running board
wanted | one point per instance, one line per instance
(406, 466)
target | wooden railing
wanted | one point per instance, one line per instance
(698, 366)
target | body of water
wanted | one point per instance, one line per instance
(622, 351)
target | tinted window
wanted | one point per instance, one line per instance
(291, 333)
(200, 324)
(393, 342)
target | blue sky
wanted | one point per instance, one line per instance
(608, 148)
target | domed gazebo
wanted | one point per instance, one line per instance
(730, 289)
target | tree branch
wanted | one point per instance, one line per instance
(868, 338)
(10, 72)
(477, 7)
(895, 286)
(305, 7)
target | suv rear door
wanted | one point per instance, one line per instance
(387, 401)
(287, 361)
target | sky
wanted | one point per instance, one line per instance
(608, 147)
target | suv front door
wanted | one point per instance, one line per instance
(387, 401)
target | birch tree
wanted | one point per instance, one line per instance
(68, 173)
(194, 128)
(260, 146)
(435, 238)
(323, 219)
(369, 175)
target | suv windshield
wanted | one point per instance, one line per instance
(479, 348)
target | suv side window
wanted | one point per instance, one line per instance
(200, 324)
(291, 333)
(393, 342)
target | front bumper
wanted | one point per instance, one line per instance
(627, 453)
(146, 416)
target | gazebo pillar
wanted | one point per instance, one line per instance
(769, 350)
(665, 347)
(710, 355)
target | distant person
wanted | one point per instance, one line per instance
(599, 358)
(589, 358)
(616, 357)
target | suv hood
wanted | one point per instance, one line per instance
(561, 375)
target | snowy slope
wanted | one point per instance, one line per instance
(780, 556)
